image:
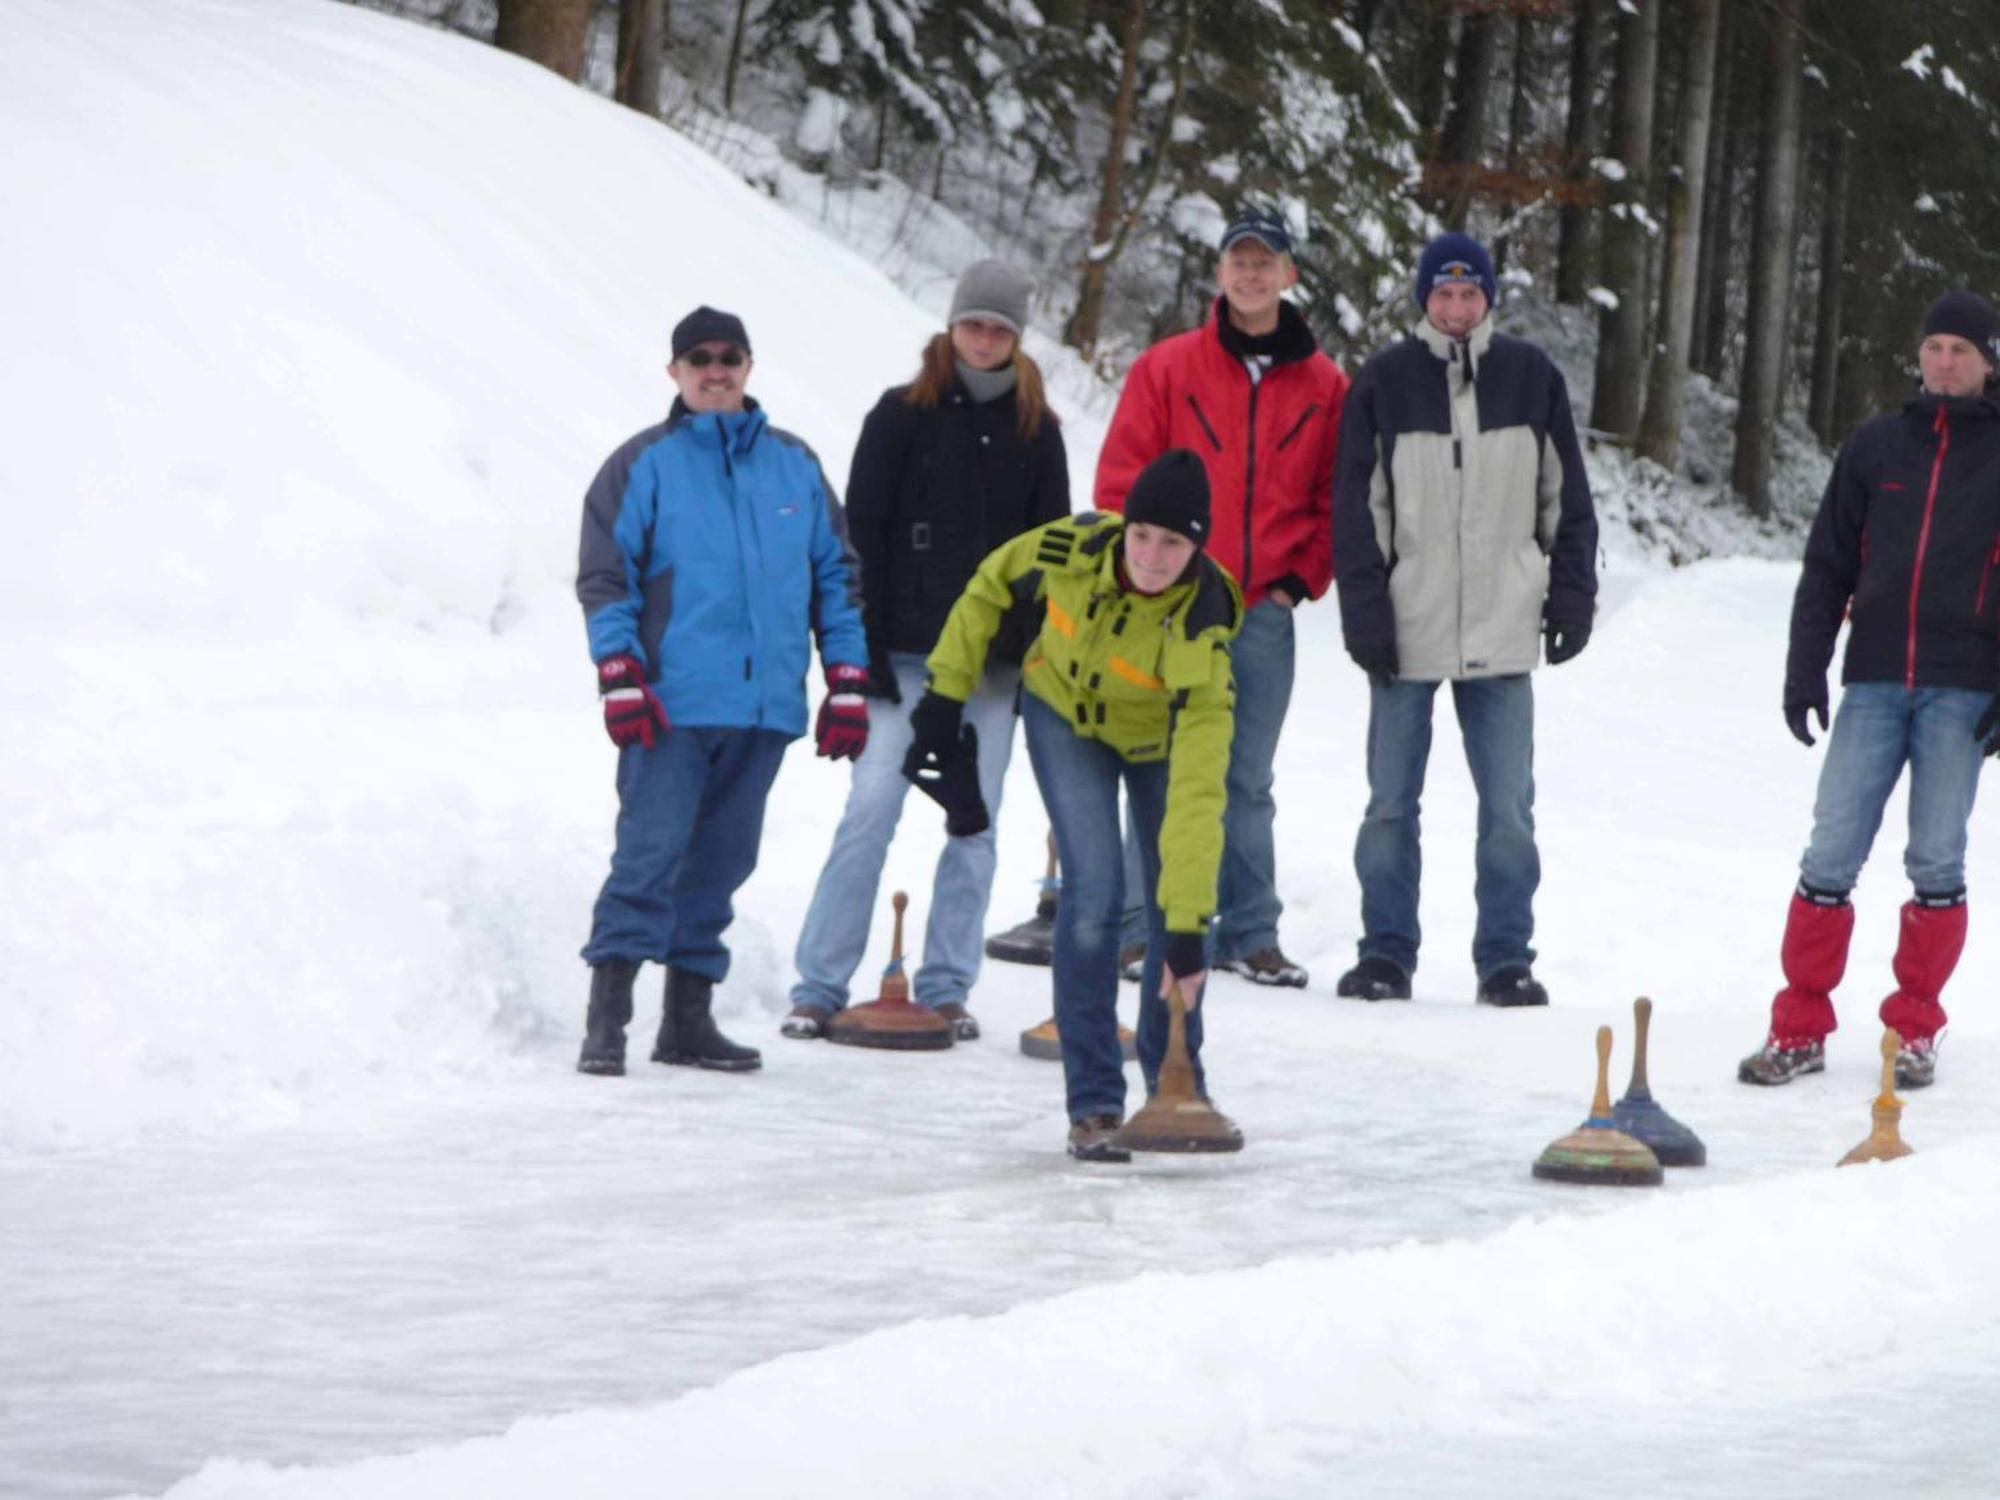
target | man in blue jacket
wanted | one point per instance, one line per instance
(713, 548)
(1463, 539)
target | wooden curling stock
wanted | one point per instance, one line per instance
(892, 1023)
(1640, 1116)
(1177, 1119)
(1885, 1141)
(1597, 1153)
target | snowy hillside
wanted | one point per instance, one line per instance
(318, 330)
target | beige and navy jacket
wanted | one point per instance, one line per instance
(1461, 514)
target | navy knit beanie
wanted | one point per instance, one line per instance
(1969, 316)
(1455, 257)
(1172, 491)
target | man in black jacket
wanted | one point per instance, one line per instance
(1905, 546)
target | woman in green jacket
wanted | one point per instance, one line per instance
(1128, 682)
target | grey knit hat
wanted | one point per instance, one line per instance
(994, 291)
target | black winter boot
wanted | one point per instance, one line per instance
(604, 1023)
(687, 1030)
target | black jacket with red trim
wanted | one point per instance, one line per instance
(1906, 544)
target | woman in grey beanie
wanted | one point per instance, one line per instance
(961, 460)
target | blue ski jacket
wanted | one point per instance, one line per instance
(713, 548)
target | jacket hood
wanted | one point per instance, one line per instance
(1922, 406)
(740, 427)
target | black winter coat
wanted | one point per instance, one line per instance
(932, 491)
(1908, 535)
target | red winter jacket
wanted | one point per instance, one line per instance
(1269, 446)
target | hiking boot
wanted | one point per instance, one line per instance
(1374, 979)
(604, 1023)
(964, 1027)
(1779, 1062)
(806, 1023)
(1916, 1064)
(1132, 963)
(688, 1035)
(1510, 986)
(1266, 966)
(1090, 1139)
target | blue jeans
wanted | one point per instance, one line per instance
(1080, 780)
(1496, 720)
(690, 818)
(843, 904)
(1881, 727)
(1248, 904)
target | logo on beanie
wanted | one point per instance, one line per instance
(1454, 270)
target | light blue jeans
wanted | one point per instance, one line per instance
(1496, 720)
(1882, 727)
(844, 902)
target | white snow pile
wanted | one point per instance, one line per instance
(319, 326)
(1248, 1383)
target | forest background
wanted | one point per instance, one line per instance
(1763, 194)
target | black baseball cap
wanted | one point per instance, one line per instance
(1262, 225)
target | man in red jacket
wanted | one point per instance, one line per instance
(1251, 393)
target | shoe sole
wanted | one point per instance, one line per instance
(601, 1069)
(1745, 1074)
(1371, 998)
(712, 1064)
(1269, 981)
(1098, 1156)
(1906, 1081)
(1512, 1004)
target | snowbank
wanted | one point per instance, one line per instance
(1254, 1383)
(323, 326)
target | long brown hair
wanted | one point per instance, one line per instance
(940, 369)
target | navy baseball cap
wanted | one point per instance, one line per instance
(1261, 225)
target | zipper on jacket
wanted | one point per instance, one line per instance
(1202, 417)
(1985, 578)
(1943, 429)
(1298, 427)
(1250, 480)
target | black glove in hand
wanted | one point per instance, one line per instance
(1376, 658)
(1564, 639)
(943, 764)
(1802, 698)
(1987, 730)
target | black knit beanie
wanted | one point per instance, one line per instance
(1969, 316)
(1172, 492)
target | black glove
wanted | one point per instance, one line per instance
(1292, 588)
(1375, 657)
(881, 675)
(1803, 696)
(1987, 730)
(943, 764)
(1187, 953)
(1563, 639)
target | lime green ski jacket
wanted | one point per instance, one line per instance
(1148, 676)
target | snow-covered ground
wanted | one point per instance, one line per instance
(318, 327)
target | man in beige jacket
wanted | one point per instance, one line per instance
(1463, 537)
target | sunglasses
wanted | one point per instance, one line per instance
(701, 359)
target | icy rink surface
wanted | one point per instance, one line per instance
(331, 320)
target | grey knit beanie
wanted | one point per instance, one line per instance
(994, 291)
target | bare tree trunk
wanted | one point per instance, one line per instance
(735, 57)
(1456, 164)
(1517, 124)
(1573, 223)
(1621, 336)
(1081, 333)
(1711, 284)
(1431, 55)
(550, 32)
(1771, 264)
(1666, 386)
(1832, 279)
(641, 36)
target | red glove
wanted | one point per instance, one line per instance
(632, 714)
(842, 728)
